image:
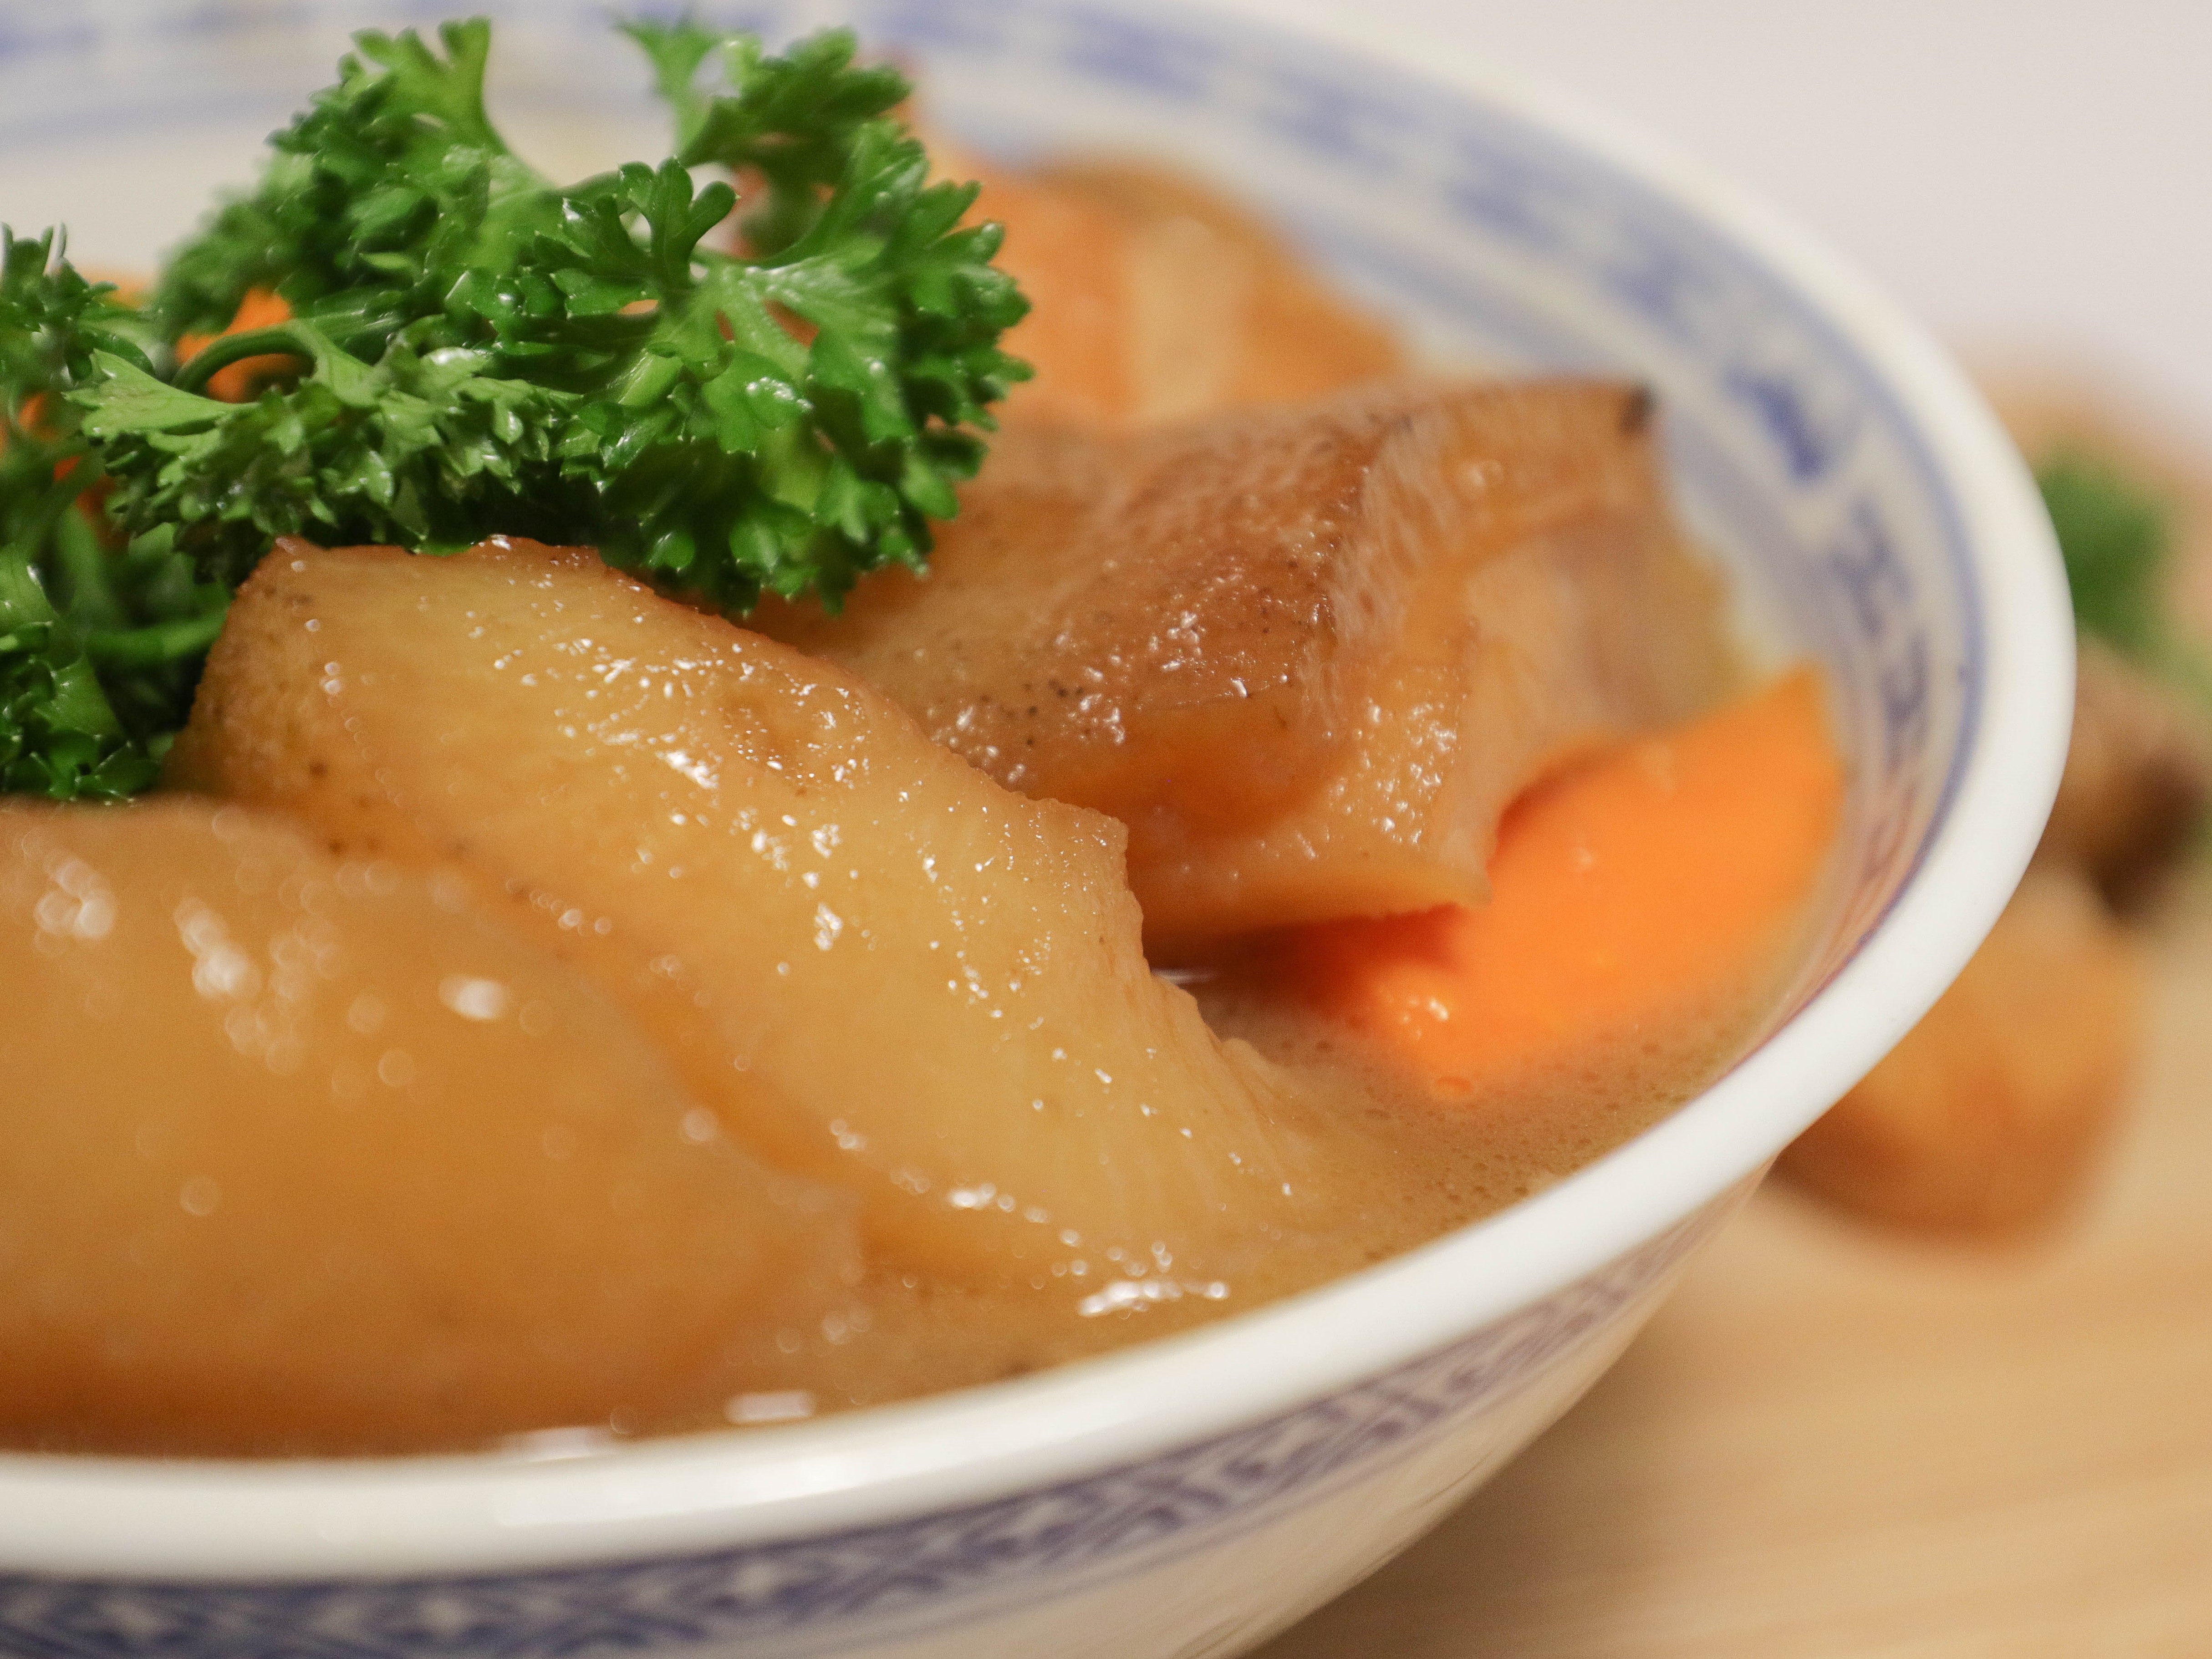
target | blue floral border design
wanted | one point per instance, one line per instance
(1802, 393)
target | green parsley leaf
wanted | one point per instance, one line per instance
(2115, 537)
(2116, 534)
(481, 351)
(474, 349)
(100, 646)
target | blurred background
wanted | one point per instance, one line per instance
(2030, 176)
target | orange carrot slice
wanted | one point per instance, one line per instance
(1637, 887)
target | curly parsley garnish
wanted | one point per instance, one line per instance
(100, 644)
(469, 349)
(2116, 533)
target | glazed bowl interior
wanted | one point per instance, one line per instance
(1868, 513)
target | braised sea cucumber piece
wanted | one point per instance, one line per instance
(911, 980)
(1307, 655)
(303, 1154)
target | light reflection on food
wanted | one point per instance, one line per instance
(1307, 654)
(773, 1004)
(263, 1100)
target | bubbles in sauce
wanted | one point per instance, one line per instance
(308, 1155)
(598, 1060)
(1724, 827)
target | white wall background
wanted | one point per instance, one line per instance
(2032, 177)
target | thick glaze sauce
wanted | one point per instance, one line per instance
(1724, 826)
(861, 1086)
(247, 1227)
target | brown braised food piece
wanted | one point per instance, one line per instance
(1308, 655)
(304, 1156)
(1986, 1116)
(2138, 775)
(889, 971)
(1154, 298)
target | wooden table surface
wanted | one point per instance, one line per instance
(1838, 1441)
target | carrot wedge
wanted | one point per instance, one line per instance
(1632, 893)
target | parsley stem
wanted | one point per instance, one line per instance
(62, 494)
(222, 352)
(144, 648)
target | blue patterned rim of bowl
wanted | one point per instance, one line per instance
(875, 1583)
(1505, 238)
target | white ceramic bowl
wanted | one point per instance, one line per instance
(1188, 1497)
